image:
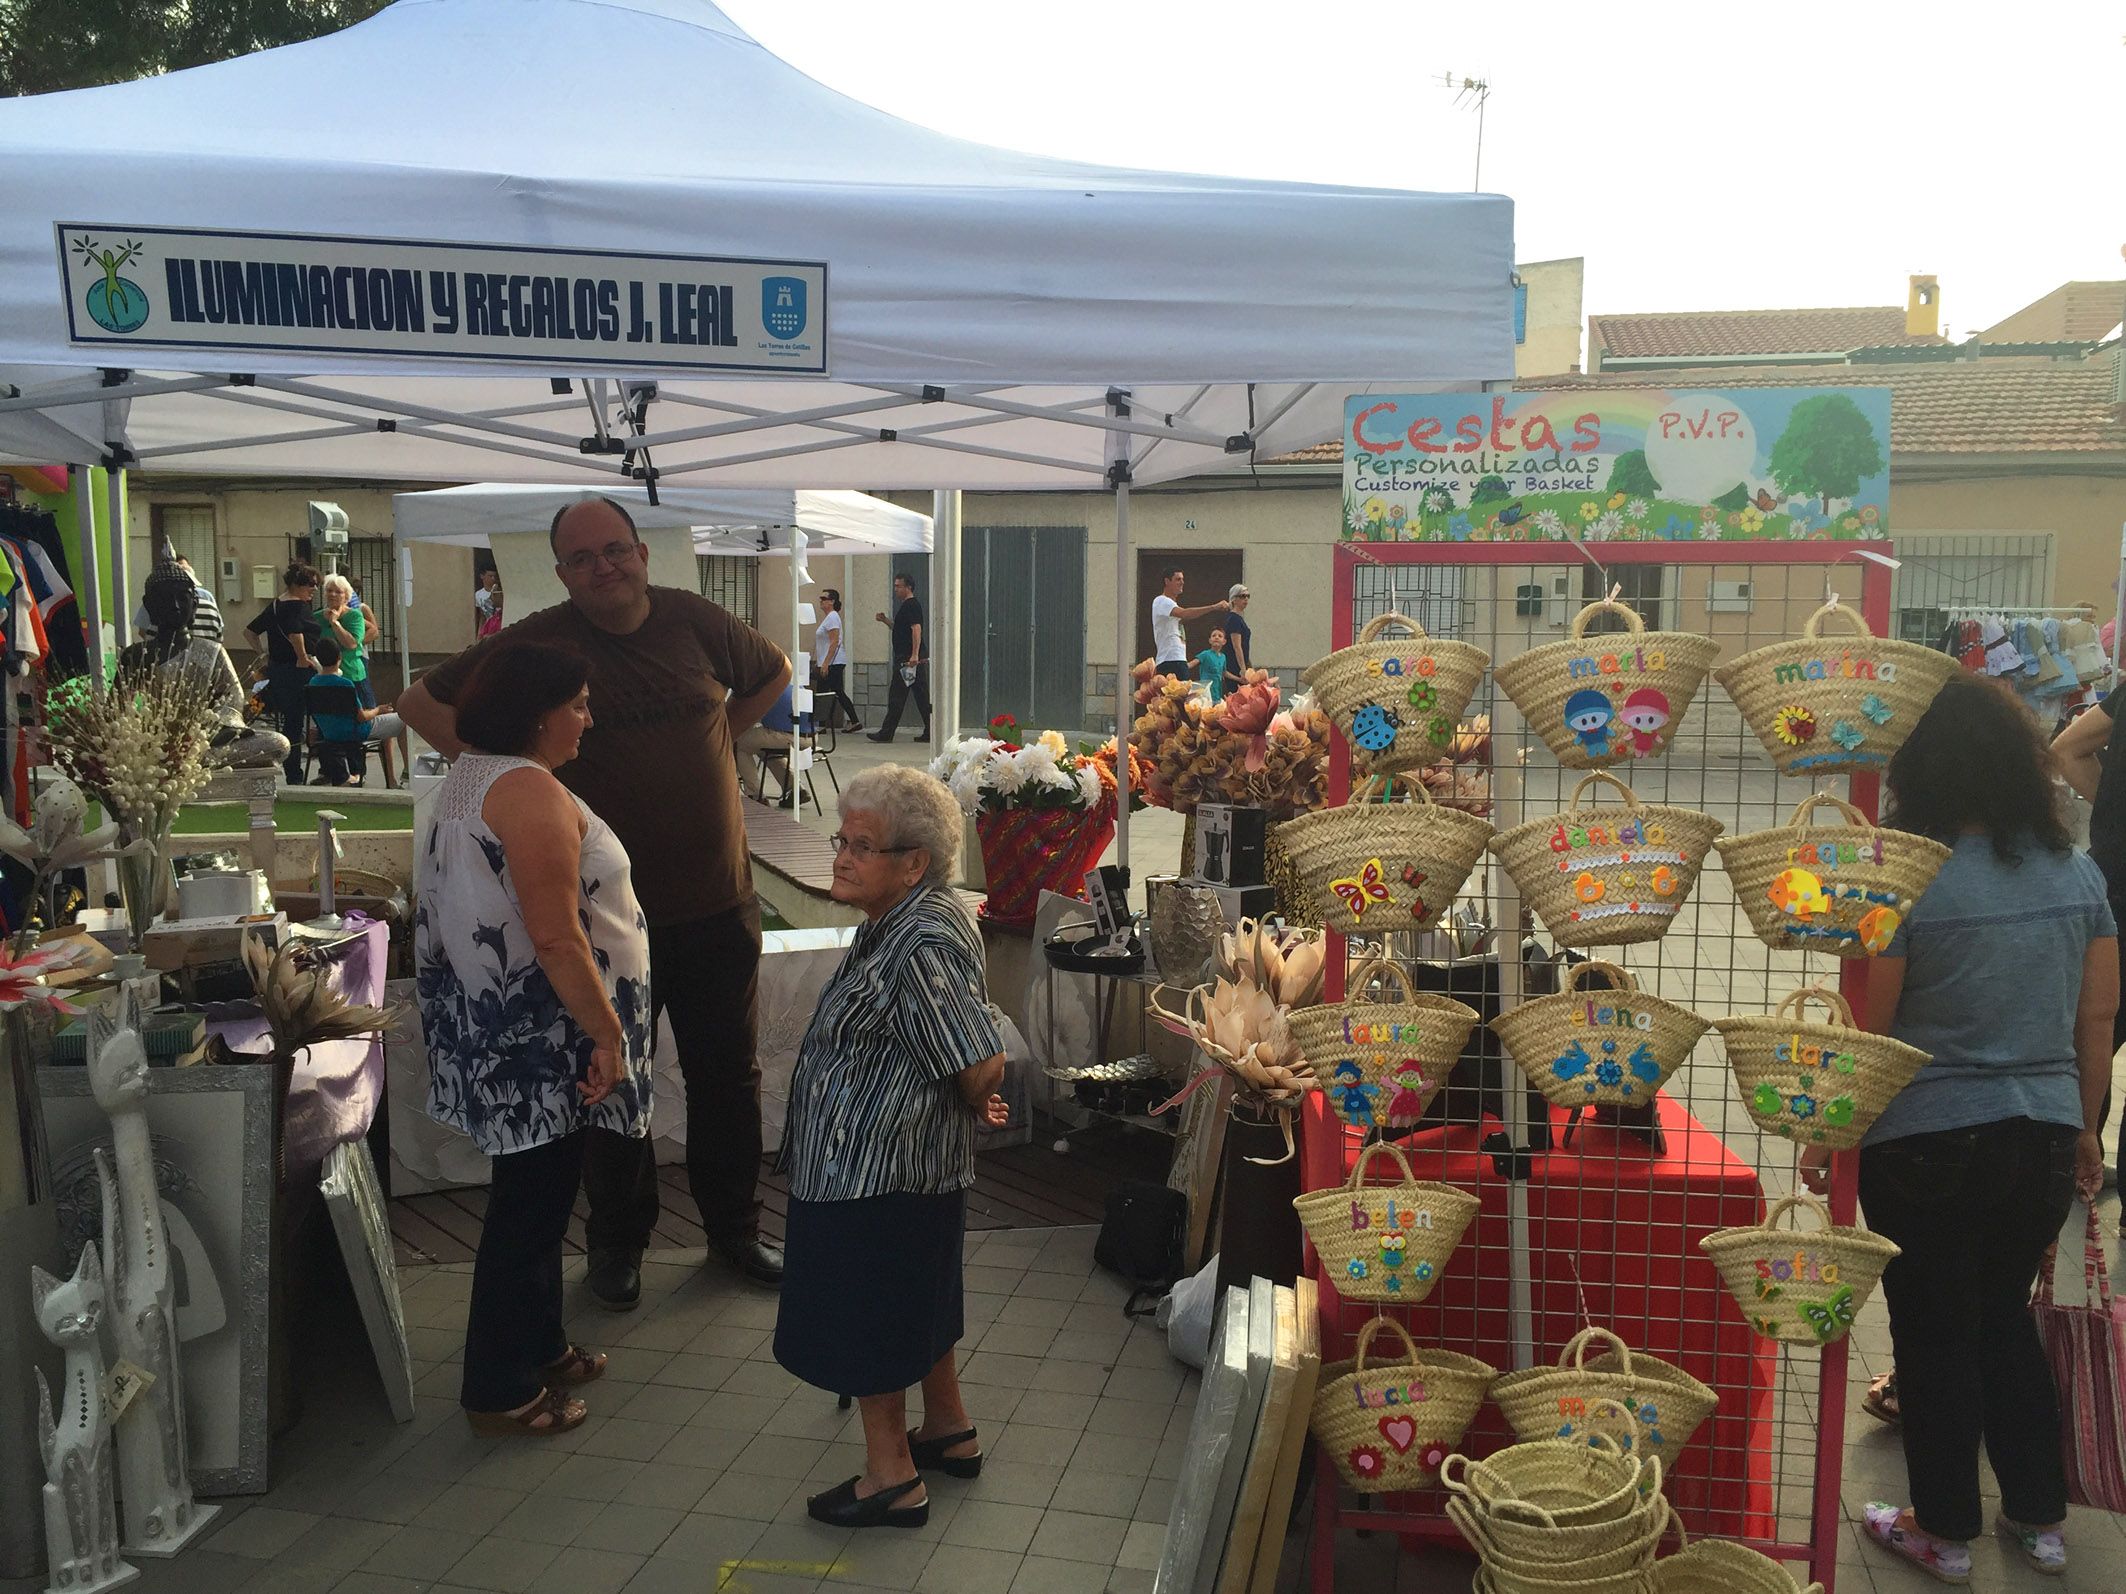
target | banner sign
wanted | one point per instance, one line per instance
(1622, 464)
(157, 287)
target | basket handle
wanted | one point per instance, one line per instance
(1382, 788)
(1374, 968)
(1796, 1005)
(1365, 1342)
(1808, 805)
(1812, 627)
(1621, 978)
(1632, 622)
(1506, 1505)
(1381, 622)
(1605, 1409)
(1631, 798)
(1575, 1351)
(1801, 1201)
(1357, 1181)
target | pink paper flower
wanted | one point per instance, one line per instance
(22, 979)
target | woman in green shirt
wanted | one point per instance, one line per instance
(348, 625)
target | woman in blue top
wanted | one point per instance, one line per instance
(2007, 973)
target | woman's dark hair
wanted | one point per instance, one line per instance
(831, 596)
(299, 574)
(512, 689)
(1978, 758)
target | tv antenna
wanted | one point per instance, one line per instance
(1470, 91)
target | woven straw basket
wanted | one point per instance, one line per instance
(1389, 1425)
(1569, 1485)
(1553, 1402)
(1819, 1084)
(1607, 876)
(1548, 1564)
(1842, 889)
(1397, 702)
(1711, 1566)
(1382, 1062)
(1380, 864)
(1798, 1286)
(1612, 1048)
(1821, 704)
(1385, 1242)
(1608, 699)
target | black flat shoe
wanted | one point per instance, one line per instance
(841, 1508)
(875, 737)
(615, 1277)
(755, 1258)
(930, 1455)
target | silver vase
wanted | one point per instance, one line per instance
(1186, 923)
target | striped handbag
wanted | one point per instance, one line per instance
(2086, 1346)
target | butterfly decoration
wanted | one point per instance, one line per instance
(1846, 736)
(1833, 1317)
(1875, 709)
(1414, 878)
(1356, 893)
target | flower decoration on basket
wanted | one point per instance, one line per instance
(1607, 1048)
(1842, 889)
(1822, 1084)
(1390, 1425)
(1607, 699)
(1385, 1242)
(1799, 1286)
(1666, 1403)
(1607, 876)
(1247, 749)
(1383, 1060)
(1401, 858)
(1397, 702)
(1044, 815)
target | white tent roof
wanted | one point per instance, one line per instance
(724, 519)
(979, 304)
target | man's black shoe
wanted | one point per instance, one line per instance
(754, 1257)
(615, 1277)
(877, 737)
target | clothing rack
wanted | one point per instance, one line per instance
(2073, 611)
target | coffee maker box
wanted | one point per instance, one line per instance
(1229, 844)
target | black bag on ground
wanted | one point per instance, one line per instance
(1142, 1236)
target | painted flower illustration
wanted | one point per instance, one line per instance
(1851, 523)
(1397, 515)
(1869, 514)
(1590, 509)
(1550, 523)
(1606, 525)
(1753, 520)
(1638, 509)
(1875, 709)
(1458, 528)
(1355, 517)
(1437, 499)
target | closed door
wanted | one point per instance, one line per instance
(1022, 601)
(1207, 574)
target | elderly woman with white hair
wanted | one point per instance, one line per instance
(901, 1062)
(343, 620)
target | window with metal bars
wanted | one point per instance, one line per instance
(733, 583)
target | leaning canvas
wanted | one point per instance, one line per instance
(349, 1186)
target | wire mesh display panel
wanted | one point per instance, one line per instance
(1613, 1208)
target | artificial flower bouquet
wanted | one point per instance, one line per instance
(996, 773)
(1246, 748)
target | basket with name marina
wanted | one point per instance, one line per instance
(1396, 701)
(1842, 889)
(1821, 1084)
(1599, 1048)
(1390, 859)
(1389, 1425)
(1610, 698)
(1382, 1061)
(1607, 875)
(1802, 1286)
(1385, 1242)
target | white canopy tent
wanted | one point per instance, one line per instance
(607, 240)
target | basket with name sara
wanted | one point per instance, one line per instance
(1608, 699)
(1382, 1061)
(1821, 1084)
(1842, 889)
(1389, 1425)
(1666, 1403)
(1802, 1286)
(1609, 875)
(1389, 859)
(1397, 702)
(1385, 1242)
(1821, 704)
(1599, 1048)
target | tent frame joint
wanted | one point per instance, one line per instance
(385, 423)
(887, 434)
(933, 394)
(1240, 443)
(1118, 474)
(116, 376)
(1118, 403)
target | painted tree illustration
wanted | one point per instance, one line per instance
(1631, 474)
(1826, 451)
(1734, 498)
(1489, 490)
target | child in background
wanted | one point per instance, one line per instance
(1210, 664)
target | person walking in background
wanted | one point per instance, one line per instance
(1210, 664)
(285, 629)
(487, 604)
(830, 666)
(911, 670)
(1239, 638)
(1169, 643)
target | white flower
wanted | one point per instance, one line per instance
(1036, 760)
(1088, 780)
(1606, 526)
(966, 788)
(1004, 775)
(1355, 517)
(1550, 523)
(1637, 508)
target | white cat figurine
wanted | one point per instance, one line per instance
(80, 1515)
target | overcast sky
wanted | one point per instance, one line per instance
(1699, 156)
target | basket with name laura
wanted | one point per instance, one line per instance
(1555, 1402)
(1389, 859)
(1396, 702)
(1821, 1084)
(1610, 875)
(1385, 1242)
(1608, 699)
(1599, 1048)
(1803, 1286)
(1842, 889)
(1823, 704)
(1389, 1425)
(1382, 1061)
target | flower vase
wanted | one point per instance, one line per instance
(145, 887)
(1026, 851)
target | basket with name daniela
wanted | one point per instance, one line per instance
(1607, 875)
(1389, 859)
(1823, 704)
(1389, 1425)
(1599, 1048)
(1554, 1402)
(1396, 702)
(1713, 1566)
(1842, 889)
(1611, 698)
(1819, 1084)
(1382, 1061)
(1385, 1242)
(1804, 1286)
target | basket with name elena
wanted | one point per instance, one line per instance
(1389, 1424)
(1385, 1242)
(1820, 1084)
(1554, 1402)
(1801, 1286)
(1599, 1048)
(1382, 1061)
(1390, 859)
(1607, 875)
(1842, 889)
(1608, 699)
(1396, 702)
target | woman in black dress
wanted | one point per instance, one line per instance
(285, 628)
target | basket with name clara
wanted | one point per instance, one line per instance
(1609, 875)
(1390, 859)
(1842, 889)
(1396, 702)
(1389, 1424)
(1600, 1048)
(1382, 1061)
(1555, 1402)
(1820, 1084)
(1797, 1285)
(1607, 699)
(1823, 704)
(1385, 1242)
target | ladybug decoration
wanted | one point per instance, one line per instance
(1373, 728)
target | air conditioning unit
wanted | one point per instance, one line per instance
(1729, 597)
(328, 525)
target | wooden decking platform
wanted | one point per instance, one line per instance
(799, 853)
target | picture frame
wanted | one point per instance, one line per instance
(348, 1183)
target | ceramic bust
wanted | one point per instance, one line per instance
(172, 602)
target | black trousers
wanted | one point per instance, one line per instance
(898, 693)
(706, 975)
(514, 1326)
(1974, 1210)
(285, 684)
(833, 684)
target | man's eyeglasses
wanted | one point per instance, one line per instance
(863, 850)
(615, 554)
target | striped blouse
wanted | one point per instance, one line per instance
(875, 1104)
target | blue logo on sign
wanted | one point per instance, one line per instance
(115, 303)
(782, 306)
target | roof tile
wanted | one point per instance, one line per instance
(1724, 333)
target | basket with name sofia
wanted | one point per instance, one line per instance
(1821, 1084)
(1397, 702)
(1608, 699)
(1389, 859)
(1599, 1048)
(1607, 875)
(1385, 1242)
(1842, 889)
(1389, 1425)
(1799, 1285)
(1382, 1061)
(1823, 704)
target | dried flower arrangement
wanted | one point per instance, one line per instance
(1244, 749)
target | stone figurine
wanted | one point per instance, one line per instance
(80, 1513)
(172, 602)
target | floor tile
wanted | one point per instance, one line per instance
(957, 1569)
(1097, 1493)
(628, 1527)
(593, 1477)
(344, 1542)
(710, 1449)
(1048, 1409)
(882, 1561)
(1043, 1574)
(1137, 1419)
(747, 1495)
(690, 1371)
(775, 1457)
(546, 1518)
(704, 1540)
(1142, 1546)
(1115, 1453)
(745, 1413)
(1014, 1483)
(1075, 1536)
(416, 1552)
(991, 1525)
(471, 1508)
(672, 1485)
(578, 1571)
(623, 1440)
(506, 1564)
(261, 1533)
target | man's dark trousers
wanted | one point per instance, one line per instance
(897, 695)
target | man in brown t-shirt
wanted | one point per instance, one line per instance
(674, 680)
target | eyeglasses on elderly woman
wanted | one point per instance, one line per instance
(861, 849)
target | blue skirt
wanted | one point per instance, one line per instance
(871, 1290)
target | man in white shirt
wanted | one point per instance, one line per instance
(1169, 644)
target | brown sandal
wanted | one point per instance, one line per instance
(551, 1413)
(1881, 1400)
(576, 1366)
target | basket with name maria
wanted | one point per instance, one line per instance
(1824, 704)
(1842, 889)
(1599, 1048)
(1608, 699)
(1554, 1402)
(1610, 875)
(1389, 1425)
(1382, 1061)
(1799, 1285)
(1389, 859)
(1385, 1242)
(1821, 1084)
(1396, 702)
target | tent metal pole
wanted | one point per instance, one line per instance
(945, 613)
(121, 577)
(800, 677)
(406, 650)
(1125, 687)
(91, 572)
